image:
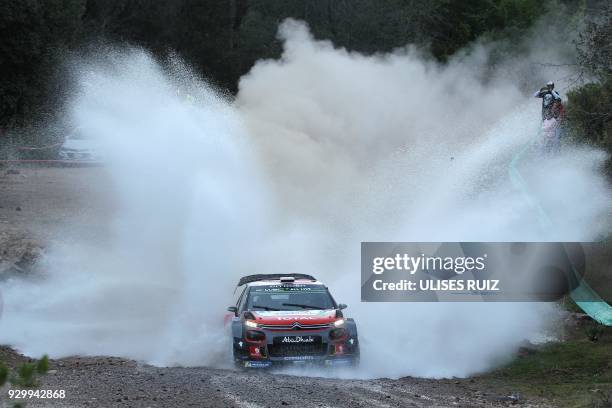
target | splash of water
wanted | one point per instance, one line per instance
(321, 150)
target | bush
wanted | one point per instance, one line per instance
(589, 110)
(589, 107)
(4, 373)
(26, 374)
(42, 366)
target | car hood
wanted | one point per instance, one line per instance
(304, 317)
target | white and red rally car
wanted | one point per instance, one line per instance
(281, 319)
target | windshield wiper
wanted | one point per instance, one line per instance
(304, 306)
(265, 307)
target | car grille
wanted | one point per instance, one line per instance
(295, 326)
(297, 349)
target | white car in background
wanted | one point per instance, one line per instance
(77, 147)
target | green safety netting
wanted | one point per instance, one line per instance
(585, 297)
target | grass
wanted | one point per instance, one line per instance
(576, 373)
(26, 375)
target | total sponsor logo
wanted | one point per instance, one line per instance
(292, 312)
(285, 318)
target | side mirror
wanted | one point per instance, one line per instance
(342, 306)
(233, 309)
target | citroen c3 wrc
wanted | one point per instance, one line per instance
(289, 319)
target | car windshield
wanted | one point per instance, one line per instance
(289, 297)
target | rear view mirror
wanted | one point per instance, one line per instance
(233, 309)
(342, 306)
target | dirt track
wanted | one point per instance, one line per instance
(44, 204)
(47, 202)
(106, 381)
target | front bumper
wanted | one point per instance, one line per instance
(323, 351)
(328, 362)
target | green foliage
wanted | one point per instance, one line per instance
(33, 35)
(222, 38)
(565, 373)
(594, 331)
(379, 26)
(589, 112)
(589, 108)
(457, 23)
(594, 44)
(26, 376)
(4, 373)
(42, 366)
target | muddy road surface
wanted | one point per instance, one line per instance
(41, 205)
(109, 381)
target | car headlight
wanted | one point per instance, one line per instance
(255, 335)
(250, 323)
(337, 334)
(339, 322)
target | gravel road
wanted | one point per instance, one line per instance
(109, 381)
(39, 205)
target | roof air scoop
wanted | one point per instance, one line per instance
(287, 279)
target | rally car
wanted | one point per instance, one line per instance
(289, 319)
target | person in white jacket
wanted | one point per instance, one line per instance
(549, 98)
(552, 109)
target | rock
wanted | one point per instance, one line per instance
(580, 316)
(512, 398)
(12, 171)
(19, 253)
(17, 208)
(526, 351)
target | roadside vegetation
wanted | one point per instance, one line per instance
(223, 39)
(589, 110)
(575, 373)
(24, 376)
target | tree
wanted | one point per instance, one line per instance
(34, 34)
(589, 108)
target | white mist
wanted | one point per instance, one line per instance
(320, 150)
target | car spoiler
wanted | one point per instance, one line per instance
(273, 276)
